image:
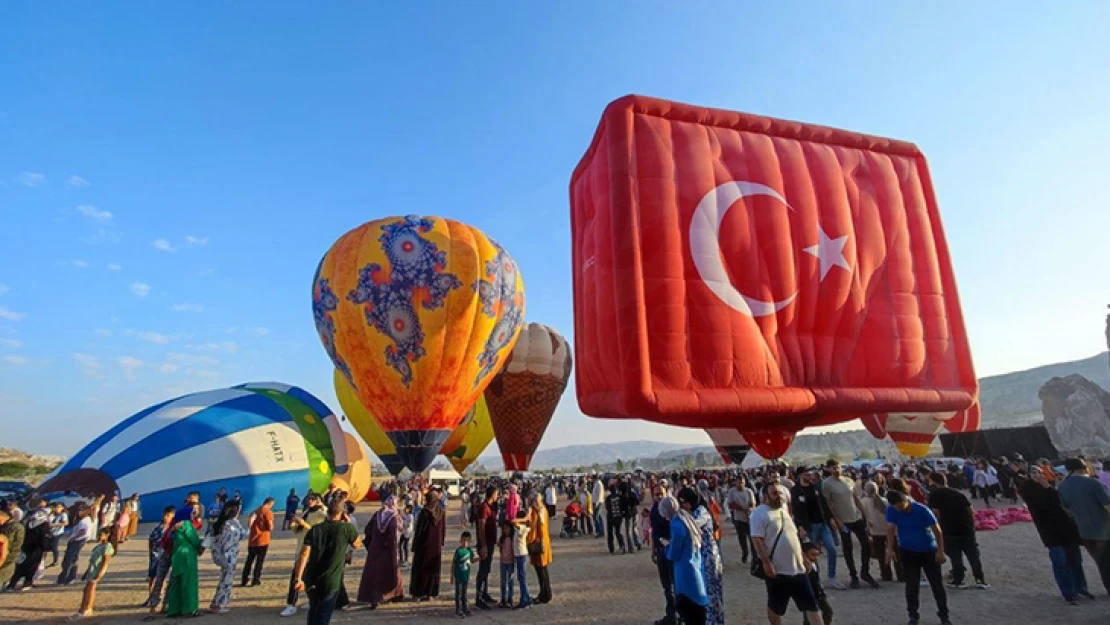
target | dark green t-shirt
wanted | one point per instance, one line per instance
(328, 543)
(463, 557)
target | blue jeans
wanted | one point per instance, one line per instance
(819, 533)
(507, 583)
(522, 573)
(599, 521)
(1067, 566)
(321, 606)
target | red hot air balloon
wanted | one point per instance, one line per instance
(736, 271)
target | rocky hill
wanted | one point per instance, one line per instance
(22, 466)
(1010, 399)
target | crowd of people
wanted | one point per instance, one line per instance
(905, 521)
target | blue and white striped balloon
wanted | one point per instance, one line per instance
(260, 439)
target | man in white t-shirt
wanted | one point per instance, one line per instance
(740, 501)
(776, 543)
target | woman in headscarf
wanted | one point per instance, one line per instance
(512, 502)
(182, 598)
(540, 534)
(711, 501)
(381, 575)
(427, 549)
(684, 552)
(227, 532)
(710, 551)
(136, 512)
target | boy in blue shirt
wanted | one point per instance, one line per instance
(921, 546)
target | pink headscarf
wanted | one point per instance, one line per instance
(512, 503)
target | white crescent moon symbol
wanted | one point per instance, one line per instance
(705, 248)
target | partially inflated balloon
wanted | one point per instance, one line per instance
(522, 398)
(730, 444)
(418, 313)
(367, 426)
(355, 481)
(470, 438)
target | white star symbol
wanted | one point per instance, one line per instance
(829, 252)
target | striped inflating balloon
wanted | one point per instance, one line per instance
(260, 439)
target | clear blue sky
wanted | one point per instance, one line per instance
(171, 174)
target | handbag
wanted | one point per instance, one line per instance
(535, 549)
(757, 563)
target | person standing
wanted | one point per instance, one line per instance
(381, 575)
(227, 532)
(629, 502)
(740, 501)
(59, 521)
(36, 541)
(291, 503)
(319, 567)
(1059, 533)
(427, 549)
(182, 597)
(684, 553)
(874, 512)
(135, 511)
(82, 533)
(261, 525)
(109, 512)
(461, 562)
(598, 493)
(776, 542)
(550, 499)
(957, 521)
(613, 513)
(314, 514)
(914, 529)
(539, 547)
(660, 536)
(487, 546)
(98, 565)
(812, 517)
(1089, 502)
(712, 568)
(11, 539)
(155, 552)
(847, 519)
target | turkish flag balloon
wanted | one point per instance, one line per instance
(524, 395)
(736, 271)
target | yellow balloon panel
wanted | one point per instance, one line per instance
(356, 481)
(366, 425)
(470, 438)
(418, 313)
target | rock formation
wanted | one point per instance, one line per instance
(1077, 416)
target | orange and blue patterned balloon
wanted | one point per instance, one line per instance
(419, 314)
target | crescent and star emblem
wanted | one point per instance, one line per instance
(705, 228)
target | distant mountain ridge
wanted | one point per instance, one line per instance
(1007, 400)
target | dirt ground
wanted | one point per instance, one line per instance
(591, 586)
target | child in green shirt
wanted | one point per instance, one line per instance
(98, 565)
(460, 573)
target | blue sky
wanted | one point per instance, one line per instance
(170, 175)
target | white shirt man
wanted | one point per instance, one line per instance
(776, 542)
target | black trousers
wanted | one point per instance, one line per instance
(613, 525)
(1100, 553)
(460, 597)
(690, 612)
(743, 534)
(859, 529)
(914, 563)
(545, 584)
(26, 570)
(255, 556)
(666, 580)
(956, 547)
(481, 591)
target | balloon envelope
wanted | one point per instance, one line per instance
(730, 444)
(255, 439)
(736, 271)
(366, 425)
(355, 481)
(418, 313)
(470, 438)
(523, 397)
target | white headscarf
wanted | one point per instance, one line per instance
(669, 508)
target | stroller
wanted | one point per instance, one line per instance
(571, 516)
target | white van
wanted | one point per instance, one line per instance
(449, 479)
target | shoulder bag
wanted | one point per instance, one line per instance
(757, 563)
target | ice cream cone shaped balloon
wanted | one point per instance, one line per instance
(418, 314)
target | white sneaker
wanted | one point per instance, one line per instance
(289, 610)
(835, 584)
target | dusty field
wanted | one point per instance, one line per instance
(590, 586)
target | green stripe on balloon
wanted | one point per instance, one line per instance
(317, 438)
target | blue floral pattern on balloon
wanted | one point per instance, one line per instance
(324, 303)
(497, 292)
(415, 263)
